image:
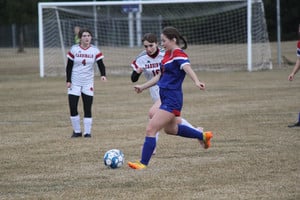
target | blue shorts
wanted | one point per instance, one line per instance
(171, 101)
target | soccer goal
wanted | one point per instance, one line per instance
(221, 34)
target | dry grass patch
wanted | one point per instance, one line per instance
(253, 154)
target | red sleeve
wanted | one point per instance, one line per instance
(134, 65)
(99, 56)
(70, 55)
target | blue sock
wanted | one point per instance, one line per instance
(185, 131)
(299, 117)
(148, 148)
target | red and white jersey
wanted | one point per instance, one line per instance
(84, 60)
(298, 49)
(151, 67)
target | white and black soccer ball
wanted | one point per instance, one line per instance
(113, 158)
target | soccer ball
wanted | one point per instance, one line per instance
(113, 158)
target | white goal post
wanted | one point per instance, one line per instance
(221, 34)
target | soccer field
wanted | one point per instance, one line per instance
(254, 155)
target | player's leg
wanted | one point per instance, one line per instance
(87, 120)
(73, 97)
(174, 104)
(188, 132)
(154, 93)
(74, 116)
(158, 121)
(183, 121)
(152, 111)
(297, 124)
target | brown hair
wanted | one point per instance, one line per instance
(84, 30)
(171, 33)
(150, 37)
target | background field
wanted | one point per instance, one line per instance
(253, 155)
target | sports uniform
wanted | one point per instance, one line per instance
(174, 66)
(82, 76)
(80, 73)
(150, 64)
(171, 80)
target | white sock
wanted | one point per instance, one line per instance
(186, 123)
(87, 122)
(76, 123)
(156, 136)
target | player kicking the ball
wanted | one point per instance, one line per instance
(175, 65)
(148, 62)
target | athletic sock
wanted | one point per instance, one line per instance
(148, 148)
(75, 121)
(156, 136)
(299, 117)
(87, 122)
(185, 131)
(186, 123)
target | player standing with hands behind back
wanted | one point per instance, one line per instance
(291, 76)
(175, 65)
(80, 80)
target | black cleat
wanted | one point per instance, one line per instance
(294, 125)
(75, 135)
(87, 135)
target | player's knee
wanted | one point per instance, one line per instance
(171, 130)
(151, 130)
(74, 113)
(88, 114)
(151, 113)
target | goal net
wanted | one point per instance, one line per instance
(216, 32)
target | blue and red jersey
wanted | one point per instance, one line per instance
(298, 48)
(172, 69)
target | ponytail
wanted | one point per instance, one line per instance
(172, 33)
(184, 42)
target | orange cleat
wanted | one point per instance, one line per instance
(136, 165)
(206, 139)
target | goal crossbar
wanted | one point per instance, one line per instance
(56, 5)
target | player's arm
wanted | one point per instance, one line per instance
(135, 76)
(102, 69)
(150, 83)
(69, 70)
(295, 69)
(187, 68)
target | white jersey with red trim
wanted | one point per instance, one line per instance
(151, 67)
(84, 60)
